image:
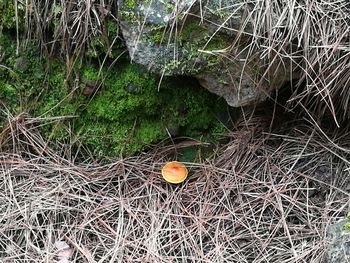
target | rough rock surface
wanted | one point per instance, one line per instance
(339, 248)
(201, 39)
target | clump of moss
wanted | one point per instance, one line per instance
(346, 226)
(9, 80)
(130, 4)
(9, 99)
(8, 15)
(127, 111)
(120, 118)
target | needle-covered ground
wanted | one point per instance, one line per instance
(268, 196)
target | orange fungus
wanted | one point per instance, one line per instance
(174, 172)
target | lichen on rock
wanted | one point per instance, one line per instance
(338, 249)
(200, 39)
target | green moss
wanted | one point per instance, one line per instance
(346, 226)
(128, 16)
(127, 13)
(130, 4)
(128, 113)
(195, 45)
(120, 112)
(192, 29)
(8, 15)
(157, 37)
(133, 114)
(9, 97)
(9, 80)
(124, 116)
(90, 73)
(25, 86)
(195, 37)
(170, 6)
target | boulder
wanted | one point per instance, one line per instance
(202, 39)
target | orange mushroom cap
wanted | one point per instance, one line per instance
(174, 172)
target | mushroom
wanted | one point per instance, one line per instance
(174, 172)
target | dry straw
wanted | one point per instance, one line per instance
(267, 197)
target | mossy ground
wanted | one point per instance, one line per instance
(126, 111)
(8, 14)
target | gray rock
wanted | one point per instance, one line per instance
(338, 250)
(196, 38)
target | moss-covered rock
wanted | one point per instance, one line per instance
(168, 41)
(203, 39)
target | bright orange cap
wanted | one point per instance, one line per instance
(174, 172)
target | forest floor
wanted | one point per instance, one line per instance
(268, 196)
